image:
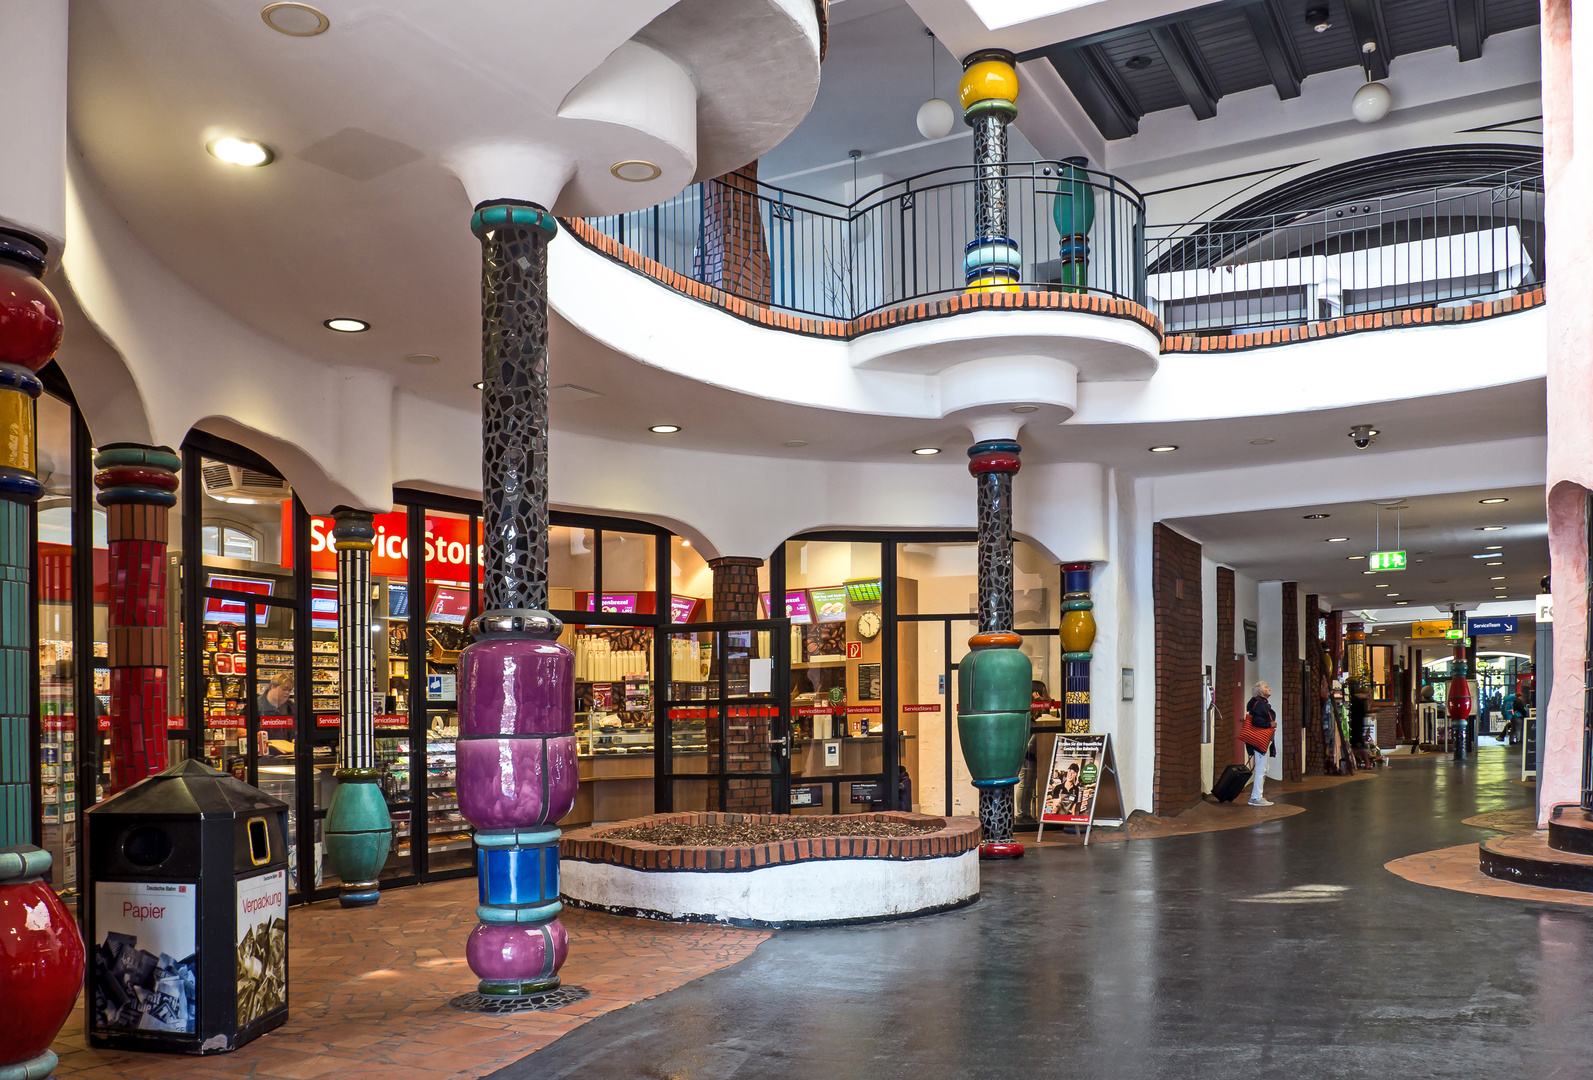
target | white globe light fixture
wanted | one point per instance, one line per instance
(935, 118)
(1371, 103)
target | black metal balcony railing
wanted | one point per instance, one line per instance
(1083, 231)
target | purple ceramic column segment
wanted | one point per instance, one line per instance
(516, 765)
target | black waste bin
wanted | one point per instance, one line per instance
(187, 920)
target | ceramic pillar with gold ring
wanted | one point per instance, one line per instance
(1077, 634)
(989, 94)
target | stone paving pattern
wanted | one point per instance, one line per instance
(369, 989)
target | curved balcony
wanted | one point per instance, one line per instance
(1466, 249)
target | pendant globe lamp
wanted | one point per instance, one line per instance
(936, 115)
(1373, 100)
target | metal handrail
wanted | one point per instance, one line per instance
(904, 242)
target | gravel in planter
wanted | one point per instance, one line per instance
(747, 833)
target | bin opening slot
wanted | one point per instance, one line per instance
(259, 842)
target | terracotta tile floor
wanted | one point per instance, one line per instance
(1456, 868)
(369, 990)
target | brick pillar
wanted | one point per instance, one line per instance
(732, 253)
(736, 600)
(1316, 671)
(138, 486)
(1289, 712)
(1176, 592)
(1223, 751)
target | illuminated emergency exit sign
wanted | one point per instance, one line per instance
(1386, 560)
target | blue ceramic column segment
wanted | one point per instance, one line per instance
(516, 750)
(358, 830)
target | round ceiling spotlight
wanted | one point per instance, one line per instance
(1371, 102)
(1025, 408)
(1318, 19)
(295, 20)
(1163, 449)
(246, 153)
(927, 451)
(935, 118)
(664, 429)
(421, 358)
(1496, 500)
(347, 326)
(1315, 517)
(636, 171)
(1138, 63)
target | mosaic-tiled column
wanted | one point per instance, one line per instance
(41, 951)
(1077, 634)
(358, 830)
(994, 681)
(989, 94)
(138, 488)
(516, 749)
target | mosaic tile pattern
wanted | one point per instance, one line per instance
(990, 160)
(514, 412)
(995, 552)
(16, 680)
(995, 814)
(352, 536)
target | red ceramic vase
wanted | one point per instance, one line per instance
(41, 960)
(30, 319)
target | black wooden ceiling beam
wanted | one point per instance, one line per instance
(1188, 68)
(1104, 96)
(1366, 19)
(1277, 48)
(1466, 22)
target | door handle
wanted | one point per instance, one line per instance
(780, 743)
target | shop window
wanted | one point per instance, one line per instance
(937, 579)
(691, 582)
(572, 565)
(58, 659)
(452, 561)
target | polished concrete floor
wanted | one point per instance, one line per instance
(1284, 950)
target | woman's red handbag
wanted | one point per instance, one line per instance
(1258, 738)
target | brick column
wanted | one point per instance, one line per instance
(1176, 596)
(732, 252)
(1289, 712)
(138, 486)
(1315, 746)
(1223, 750)
(735, 598)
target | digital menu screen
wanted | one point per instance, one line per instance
(323, 607)
(865, 591)
(449, 604)
(683, 608)
(829, 605)
(797, 608)
(397, 601)
(615, 603)
(235, 612)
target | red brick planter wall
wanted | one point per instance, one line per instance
(955, 837)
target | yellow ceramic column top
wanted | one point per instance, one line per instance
(989, 84)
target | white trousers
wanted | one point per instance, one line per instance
(1258, 763)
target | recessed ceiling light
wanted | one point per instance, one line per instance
(1490, 528)
(347, 326)
(1353, 558)
(1163, 449)
(480, 385)
(1337, 539)
(1493, 564)
(1391, 595)
(796, 442)
(1498, 578)
(1494, 547)
(1259, 442)
(1401, 603)
(685, 543)
(420, 358)
(1368, 571)
(664, 429)
(1025, 408)
(1498, 588)
(245, 152)
(636, 171)
(295, 20)
(1493, 501)
(1138, 63)
(1316, 517)
(927, 451)
(1382, 585)
(1319, 19)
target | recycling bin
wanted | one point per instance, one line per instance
(187, 920)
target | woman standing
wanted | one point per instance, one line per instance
(1261, 717)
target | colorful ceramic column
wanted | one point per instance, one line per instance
(1073, 210)
(41, 951)
(1077, 634)
(358, 830)
(138, 486)
(516, 750)
(994, 680)
(989, 94)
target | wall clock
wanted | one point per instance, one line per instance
(868, 625)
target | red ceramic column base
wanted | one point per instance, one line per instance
(1008, 850)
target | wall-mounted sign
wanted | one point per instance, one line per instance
(829, 605)
(1386, 560)
(807, 795)
(868, 791)
(854, 650)
(796, 606)
(683, 609)
(1545, 608)
(865, 591)
(1251, 644)
(1498, 624)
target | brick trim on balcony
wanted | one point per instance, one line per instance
(956, 836)
(1352, 324)
(846, 329)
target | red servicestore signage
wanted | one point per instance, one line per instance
(867, 709)
(175, 723)
(920, 708)
(814, 710)
(57, 723)
(105, 723)
(447, 546)
(276, 721)
(391, 720)
(325, 720)
(225, 722)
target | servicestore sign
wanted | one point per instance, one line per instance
(447, 546)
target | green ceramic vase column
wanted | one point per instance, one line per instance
(1073, 210)
(359, 830)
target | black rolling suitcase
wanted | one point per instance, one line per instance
(1231, 783)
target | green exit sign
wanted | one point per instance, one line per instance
(1386, 560)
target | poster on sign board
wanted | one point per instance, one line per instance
(1080, 765)
(143, 962)
(262, 945)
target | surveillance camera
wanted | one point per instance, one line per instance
(1364, 435)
